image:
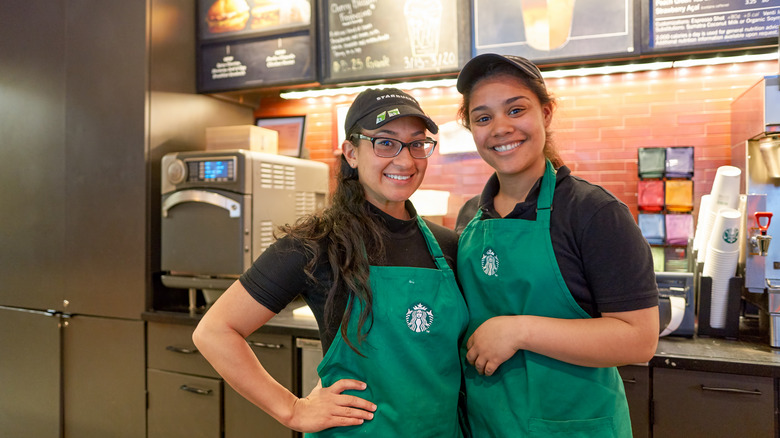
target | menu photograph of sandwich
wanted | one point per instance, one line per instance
(223, 17)
(272, 13)
(227, 16)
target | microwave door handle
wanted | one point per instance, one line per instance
(233, 207)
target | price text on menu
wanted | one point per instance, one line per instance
(369, 38)
(678, 23)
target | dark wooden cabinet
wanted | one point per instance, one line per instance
(30, 351)
(242, 418)
(103, 377)
(704, 404)
(636, 381)
(187, 398)
(183, 405)
(71, 376)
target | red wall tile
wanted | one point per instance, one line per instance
(598, 126)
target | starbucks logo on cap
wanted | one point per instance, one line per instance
(490, 263)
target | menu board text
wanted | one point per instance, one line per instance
(703, 22)
(369, 38)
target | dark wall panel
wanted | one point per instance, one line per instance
(106, 103)
(32, 122)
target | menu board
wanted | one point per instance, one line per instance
(255, 43)
(239, 18)
(555, 30)
(676, 24)
(369, 39)
(256, 63)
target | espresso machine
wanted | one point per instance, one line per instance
(755, 138)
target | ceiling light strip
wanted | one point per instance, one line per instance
(552, 74)
(607, 70)
(330, 92)
(772, 56)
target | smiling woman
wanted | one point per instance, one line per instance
(548, 323)
(389, 181)
(380, 282)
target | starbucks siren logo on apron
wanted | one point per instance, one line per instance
(490, 263)
(419, 318)
(405, 297)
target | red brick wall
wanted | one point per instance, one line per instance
(600, 123)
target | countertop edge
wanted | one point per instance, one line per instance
(746, 357)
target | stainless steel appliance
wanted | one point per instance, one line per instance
(220, 210)
(311, 356)
(755, 138)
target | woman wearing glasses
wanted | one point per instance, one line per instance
(379, 280)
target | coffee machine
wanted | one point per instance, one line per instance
(755, 138)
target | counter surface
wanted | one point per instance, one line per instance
(750, 355)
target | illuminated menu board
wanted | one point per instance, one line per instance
(255, 43)
(370, 39)
(556, 30)
(679, 24)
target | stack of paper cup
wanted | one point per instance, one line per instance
(701, 225)
(724, 194)
(721, 262)
(725, 188)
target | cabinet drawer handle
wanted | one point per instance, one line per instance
(629, 380)
(193, 390)
(265, 345)
(181, 350)
(732, 390)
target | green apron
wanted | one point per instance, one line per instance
(508, 267)
(411, 364)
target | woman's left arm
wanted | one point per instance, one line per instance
(614, 339)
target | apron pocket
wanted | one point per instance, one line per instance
(595, 427)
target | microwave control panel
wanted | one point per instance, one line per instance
(203, 170)
(211, 170)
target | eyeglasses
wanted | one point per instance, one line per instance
(389, 147)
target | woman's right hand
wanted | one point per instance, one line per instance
(327, 407)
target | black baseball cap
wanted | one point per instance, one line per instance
(374, 107)
(479, 64)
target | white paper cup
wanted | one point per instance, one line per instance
(719, 305)
(720, 263)
(703, 228)
(704, 211)
(725, 230)
(720, 266)
(725, 188)
(712, 215)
